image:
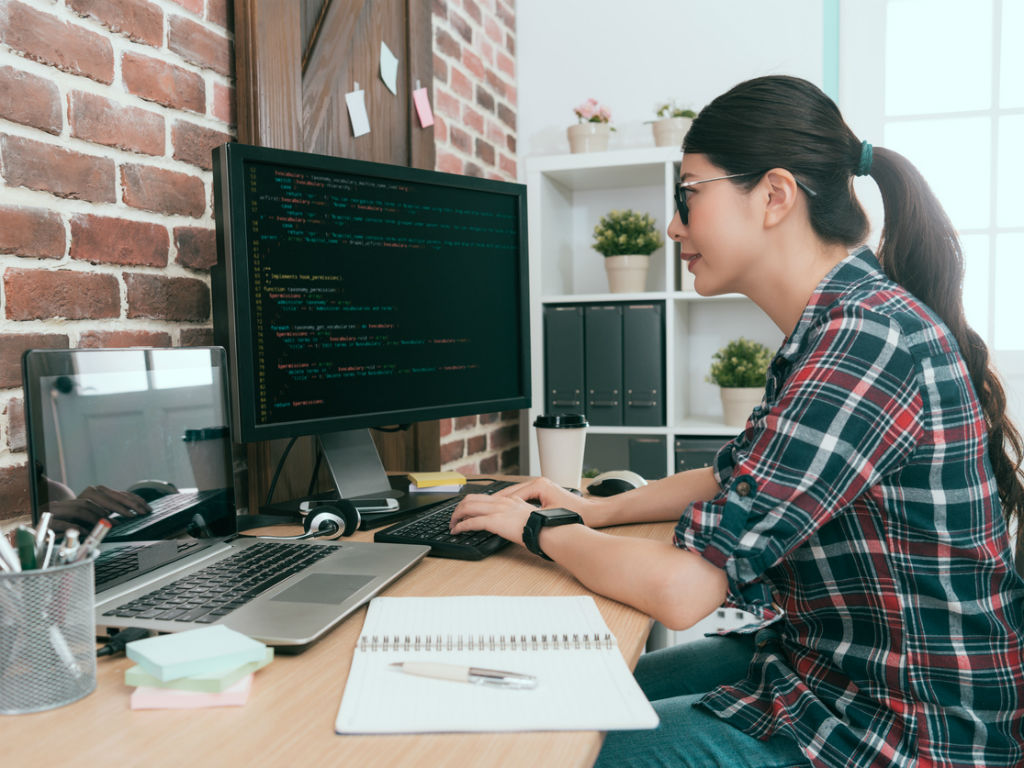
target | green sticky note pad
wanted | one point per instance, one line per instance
(209, 651)
(137, 676)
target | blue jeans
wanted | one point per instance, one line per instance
(673, 679)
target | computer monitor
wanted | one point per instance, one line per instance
(352, 294)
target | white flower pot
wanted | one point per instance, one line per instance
(627, 273)
(738, 402)
(670, 131)
(589, 137)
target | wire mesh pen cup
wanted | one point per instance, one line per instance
(47, 638)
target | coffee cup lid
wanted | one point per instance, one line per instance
(561, 421)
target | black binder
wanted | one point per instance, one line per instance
(696, 452)
(643, 365)
(563, 359)
(603, 332)
(647, 457)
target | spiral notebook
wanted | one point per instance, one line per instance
(583, 682)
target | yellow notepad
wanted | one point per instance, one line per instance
(583, 682)
(432, 479)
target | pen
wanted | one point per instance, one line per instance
(41, 530)
(68, 548)
(461, 674)
(93, 539)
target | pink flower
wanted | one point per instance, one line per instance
(592, 112)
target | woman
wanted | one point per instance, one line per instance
(859, 515)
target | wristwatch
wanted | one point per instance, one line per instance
(546, 518)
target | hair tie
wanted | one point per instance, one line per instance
(864, 164)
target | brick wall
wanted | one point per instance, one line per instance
(475, 134)
(108, 112)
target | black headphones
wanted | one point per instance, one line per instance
(329, 521)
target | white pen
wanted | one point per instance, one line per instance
(461, 674)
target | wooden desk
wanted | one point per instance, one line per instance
(289, 718)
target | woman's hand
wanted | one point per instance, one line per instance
(547, 495)
(93, 504)
(503, 515)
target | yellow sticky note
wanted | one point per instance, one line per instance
(431, 479)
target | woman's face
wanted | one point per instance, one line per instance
(720, 242)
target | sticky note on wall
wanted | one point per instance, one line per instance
(419, 98)
(356, 102)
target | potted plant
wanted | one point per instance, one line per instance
(626, 239)
(672, 124)
(590, 134)
(740, 369)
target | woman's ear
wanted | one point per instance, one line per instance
(782, 196)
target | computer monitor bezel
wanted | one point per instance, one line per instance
(231, 280)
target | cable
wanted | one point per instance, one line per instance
(121, 639)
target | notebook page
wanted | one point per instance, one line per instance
(583, 681)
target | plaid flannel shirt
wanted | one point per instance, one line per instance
(859, 520)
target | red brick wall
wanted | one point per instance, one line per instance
(108, 112)
(475, 134)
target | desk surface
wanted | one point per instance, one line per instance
(289, 718)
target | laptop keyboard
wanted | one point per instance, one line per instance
(216, 590)
(431, 528)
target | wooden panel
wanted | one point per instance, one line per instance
(268, 52)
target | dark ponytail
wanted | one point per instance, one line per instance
(786, 122)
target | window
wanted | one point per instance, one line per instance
(947, 91)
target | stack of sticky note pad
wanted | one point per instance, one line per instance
(208, 667)
(436, 482)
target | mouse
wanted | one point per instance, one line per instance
(616, 481)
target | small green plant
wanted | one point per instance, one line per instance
(740, 363)
(626, 232)
(669, 109)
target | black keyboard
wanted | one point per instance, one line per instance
(163, 518)
(216, 590)
(431, 528)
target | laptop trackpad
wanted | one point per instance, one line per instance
(327, 588)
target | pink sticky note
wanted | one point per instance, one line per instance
(167, 698)
(419, 98)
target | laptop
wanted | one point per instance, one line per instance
(107, 427)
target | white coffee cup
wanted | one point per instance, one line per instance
(561, 439)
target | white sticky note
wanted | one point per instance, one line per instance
(356, 102)
(419, 98)
(388, 68)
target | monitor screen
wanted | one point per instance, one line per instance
(352, 294)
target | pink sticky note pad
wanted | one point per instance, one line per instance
(167, 698)
(419, 98)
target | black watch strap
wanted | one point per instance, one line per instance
(546, 518)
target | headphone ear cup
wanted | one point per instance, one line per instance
(341, 513)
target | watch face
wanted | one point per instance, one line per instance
(552, 516)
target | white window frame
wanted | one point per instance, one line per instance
(862, 34)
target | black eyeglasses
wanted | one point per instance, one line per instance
(682, 186)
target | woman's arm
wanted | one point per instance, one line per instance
(659, 501)
(674, 586)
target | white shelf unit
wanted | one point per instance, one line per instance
(566, 197)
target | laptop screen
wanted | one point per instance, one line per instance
(108, 427)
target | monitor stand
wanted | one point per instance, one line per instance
(358, 473)
(355, 464)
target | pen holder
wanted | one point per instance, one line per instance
(47, 637)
